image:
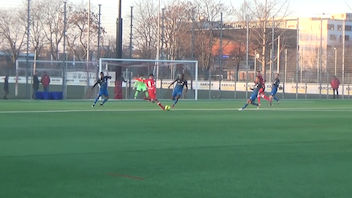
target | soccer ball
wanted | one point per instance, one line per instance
(167, 108)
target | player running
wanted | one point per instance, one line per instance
(274, 89)
(152, 91)
(103, 91)
(254, 95)
(140, 87)
(261, 92)
(177, 93)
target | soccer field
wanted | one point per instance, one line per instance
(202, 149)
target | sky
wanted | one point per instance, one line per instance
(298, 8)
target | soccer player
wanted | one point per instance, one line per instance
(261, 92)
(152, 91)
(274, 89)
(254, 95)
(103, 91)
(140, 87)
(177, 93)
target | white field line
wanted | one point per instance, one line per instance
(342, 109)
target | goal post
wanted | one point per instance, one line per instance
(164, 71)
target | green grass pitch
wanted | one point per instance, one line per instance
(202, 149)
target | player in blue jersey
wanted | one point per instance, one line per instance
(274, 89)
(180, 84)
(254, 95)
(103, 90)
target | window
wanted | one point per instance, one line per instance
(347, 38)
(331, 27)
(339, 27)
(348, 28)
(333, 37)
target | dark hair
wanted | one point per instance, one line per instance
(151, 74)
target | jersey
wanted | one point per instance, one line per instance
(151, 88)
(276, 83)
(261, 84)
(180, 83)
(140, 85)
(103, 82)
(275, 87)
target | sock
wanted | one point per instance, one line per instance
(175, 101)
(255, 104)
(135, 95)
(96, 100)
(276, 98)
(266, 98)
(104, 101)
(161, 106)
(245, 106)
(146, 94)
(258, 100)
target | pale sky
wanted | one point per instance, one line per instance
(109, 8)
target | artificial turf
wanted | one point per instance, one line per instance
(202, 149)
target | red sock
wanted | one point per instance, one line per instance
(266, 98)
(161, 106)
(258, 100)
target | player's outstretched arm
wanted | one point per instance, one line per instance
(172, 84)
(95, 84)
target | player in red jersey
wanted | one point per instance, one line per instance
(261, 93)
(152, 91)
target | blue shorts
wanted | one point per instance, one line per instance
(177, 92)
(103, 92)
(273, 91)
(254, 95)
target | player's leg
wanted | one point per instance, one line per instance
(146, 94)
(159, 104)
(105, 100)
(136, 94)
(106, 95)
(96, 99)
(265, 97)
(176, 97)
(250, 100)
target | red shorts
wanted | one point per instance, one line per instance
(152, 94)
(261, 92)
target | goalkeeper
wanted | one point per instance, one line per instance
(140, 87)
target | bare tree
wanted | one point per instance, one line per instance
(207, 13)
(52, 23)
(13, 31)
(177, 30)
(145, 29)
(261, 13)
(37, 35)
(78, 31)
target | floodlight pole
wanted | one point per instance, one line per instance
(131, 32)
(65, 55)
(220, 52)
(343, 57)
(27, 53)
(247, 53)
(119, 33)
(99, 31)
(88, 37)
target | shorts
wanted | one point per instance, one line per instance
(254, 95)
(177, 92)
(141, 89)
(273, 91)
(103, 92)
(152, 94)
